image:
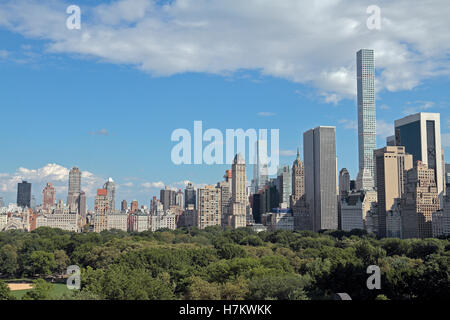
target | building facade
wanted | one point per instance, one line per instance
(239, 200)
(420, 134)
(391, 165)
(320, 176)
(48, 197)
(209, 211)
(102, 209)
(367, 131)
(24, 194)
(419, 201)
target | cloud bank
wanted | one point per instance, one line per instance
(312, 43)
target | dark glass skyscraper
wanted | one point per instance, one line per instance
(189, 195)
(420, 134)
(24, 194)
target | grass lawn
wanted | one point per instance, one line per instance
(58, 290)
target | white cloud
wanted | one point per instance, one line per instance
(349, 124)
(308, 43)
(4, 54)
(266, 114)
(288, 153)
(385, 129)
(101, 132)
(153, 185)
(54, 173)
(128, 184)
(418, 106)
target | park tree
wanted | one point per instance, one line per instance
(8, 260)
(41, 291)
(42, 263)
(62, 261)
(230, 251)
(235, 290)
(5, 292)
(279, 287)
(200, 289)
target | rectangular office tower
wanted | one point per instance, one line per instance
(367, 122)
(392, 164)
(320, 176)
(420, 134)
(24, 194)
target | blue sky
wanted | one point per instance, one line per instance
(112, 113)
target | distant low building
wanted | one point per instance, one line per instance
(279, 219)
(3, 221)
(139, 221)
(64, 221)
(355, 207)
(118, 221)
(393, 224)
(257, 227)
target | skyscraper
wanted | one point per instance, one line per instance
(179, 199)
(239, 200)
(391, 164)
(367, 131)
(343, 193)
(344, 182)
(447, 178)
(209, 212)
(419, 202)
(225, 196)
(189, 196)
(298, 181)
(24, 194)
(110, 188)
(48, 197)
(82, 209)
(260, 174)
(124, 206)
(33, 202)
(285, 184)
(134, 206)
(73, 197)
(102, 209)
(320, 176)
(420, 134)
(168, 197)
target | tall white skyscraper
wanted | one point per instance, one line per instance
(367, 122)
(320, 176)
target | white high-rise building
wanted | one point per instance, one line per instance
(367, 122)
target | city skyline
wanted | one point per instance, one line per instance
(113, 118)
